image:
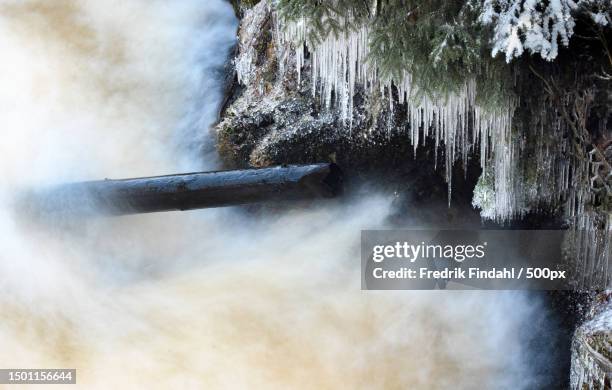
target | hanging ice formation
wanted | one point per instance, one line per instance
(340, 63)
(509, 187)
(590, 234)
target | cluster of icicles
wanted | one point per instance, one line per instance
(340, 63)
(590, 232)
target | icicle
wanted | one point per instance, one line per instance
(339, 64)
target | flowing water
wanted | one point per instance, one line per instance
(213, 298)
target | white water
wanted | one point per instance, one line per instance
(207, 299)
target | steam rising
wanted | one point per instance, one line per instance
(210, 299)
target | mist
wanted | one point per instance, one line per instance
(205, 299)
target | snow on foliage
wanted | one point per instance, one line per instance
(601, 18)
(536, 26)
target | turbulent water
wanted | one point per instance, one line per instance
(208, 299)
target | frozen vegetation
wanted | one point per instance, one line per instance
(536, 26)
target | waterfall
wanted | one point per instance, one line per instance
(209, 299)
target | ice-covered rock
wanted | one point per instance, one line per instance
(592, 348)
(273, 117)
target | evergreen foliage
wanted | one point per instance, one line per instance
(443, 43)
(440, 43)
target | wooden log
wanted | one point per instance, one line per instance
(191, 190)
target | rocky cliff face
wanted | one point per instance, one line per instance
(274, 118)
